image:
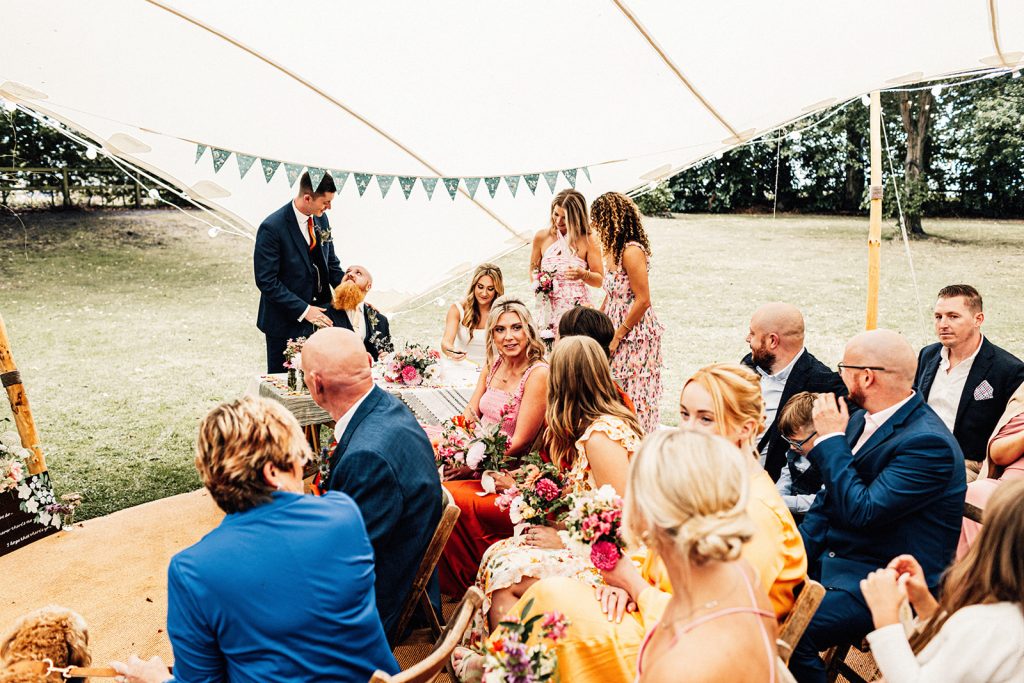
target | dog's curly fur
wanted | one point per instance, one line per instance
(52, 632)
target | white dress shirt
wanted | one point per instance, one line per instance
(772, 387)
(872, 423)
(944, 397)
(303, 221)
(358, 320)
(342, 424)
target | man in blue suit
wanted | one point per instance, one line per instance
(383, 460)
(295, 267)
(894, 483)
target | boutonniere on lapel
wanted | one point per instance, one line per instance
(324, 234)
(372, 315)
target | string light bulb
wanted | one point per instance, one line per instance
(865, 100)
(213, 232)
(936, 90)
(90, 153)
(1016, 74)
(10, 105)
(795, 136)
(154, 193)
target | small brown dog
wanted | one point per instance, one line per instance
(54, 633)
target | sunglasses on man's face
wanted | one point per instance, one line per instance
(799, 445)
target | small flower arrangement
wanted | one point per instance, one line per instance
(544, 281)
(489, 448)
(593, 526)
(450, 450)
(293, 353)
(538, 495)
(412, 365)
(12, 461)
(509, 659)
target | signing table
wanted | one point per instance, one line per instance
(431, 404)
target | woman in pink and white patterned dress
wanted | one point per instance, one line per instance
(636, 347)
(567, 256)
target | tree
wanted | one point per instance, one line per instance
(916, 115)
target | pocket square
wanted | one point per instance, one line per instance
(983, 391)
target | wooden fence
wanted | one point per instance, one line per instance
(60, 179)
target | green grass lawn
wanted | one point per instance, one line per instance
(129, 326)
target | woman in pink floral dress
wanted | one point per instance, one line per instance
(565, 259)
(636, 347)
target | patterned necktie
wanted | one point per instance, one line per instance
(312, 233)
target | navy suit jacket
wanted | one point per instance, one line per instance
(285, 272)
(375, 325)
(903, 492)
(384, 460)
(808, 374)
(975, 417)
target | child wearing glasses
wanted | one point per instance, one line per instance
(800, 480)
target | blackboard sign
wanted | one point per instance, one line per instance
(23, 513)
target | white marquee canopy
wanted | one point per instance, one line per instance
(630, 90)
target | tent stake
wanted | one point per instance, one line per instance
(875, 215)
(19, 403)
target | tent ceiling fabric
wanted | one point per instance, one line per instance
(466, 89)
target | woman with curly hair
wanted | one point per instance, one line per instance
(636, 347)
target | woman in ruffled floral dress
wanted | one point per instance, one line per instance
(591, 437)
(636, 347)
(565, 258)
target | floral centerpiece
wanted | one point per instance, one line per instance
(538, 496)
(412, 365)
(509, 659)
(593, 526)
(293, 361)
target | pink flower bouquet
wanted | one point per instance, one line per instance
(593, 527)
(544, 281)
(537, 497)
(451, 447)
(412, 365)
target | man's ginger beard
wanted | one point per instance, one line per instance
(347, 296)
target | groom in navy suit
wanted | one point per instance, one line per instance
(383, 460)
(894, 484)
(295, 267)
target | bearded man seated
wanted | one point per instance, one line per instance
(350, 311)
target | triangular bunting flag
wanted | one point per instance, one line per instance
(245, 162)
(552, 178)
(339, 178)
(220, 157)
(269, 168)
(531, 181)
(513, 183)
(471, 185)
(293, 171)
(570, 175)
(492, 185)
(362, 181)
(384, 183)
(199, 152)
(452, 185)
(315, 176)
(586, 172)
(406, 183)
(429, 184)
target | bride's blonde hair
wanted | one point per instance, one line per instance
(576, 222)
(687, 493)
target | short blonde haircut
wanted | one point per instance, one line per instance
(236, 440)
(580, 390)
(535, 348)
(687, 493)
(736, 395)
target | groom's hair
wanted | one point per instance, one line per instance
(326, 185)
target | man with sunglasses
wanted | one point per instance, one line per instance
(894, 484)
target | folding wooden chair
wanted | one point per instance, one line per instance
(418, 593)
(428, 669)
(973, 512)
(811, 595)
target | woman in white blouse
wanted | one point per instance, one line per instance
(464, 336)
(975, 632)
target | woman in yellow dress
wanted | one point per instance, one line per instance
(603, 642)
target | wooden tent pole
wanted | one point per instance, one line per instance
(875, 216)
(19, 403)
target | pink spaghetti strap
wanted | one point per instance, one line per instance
(521, 389)
(494, 369)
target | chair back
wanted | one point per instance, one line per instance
(811, 595)
(973, 512)
(429, 668)
(417, 593)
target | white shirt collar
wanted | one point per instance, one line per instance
(880, 418)
(342, 424)
(944, 354)
(783, 374)
(302, 220)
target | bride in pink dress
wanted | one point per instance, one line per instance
(566, 257)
